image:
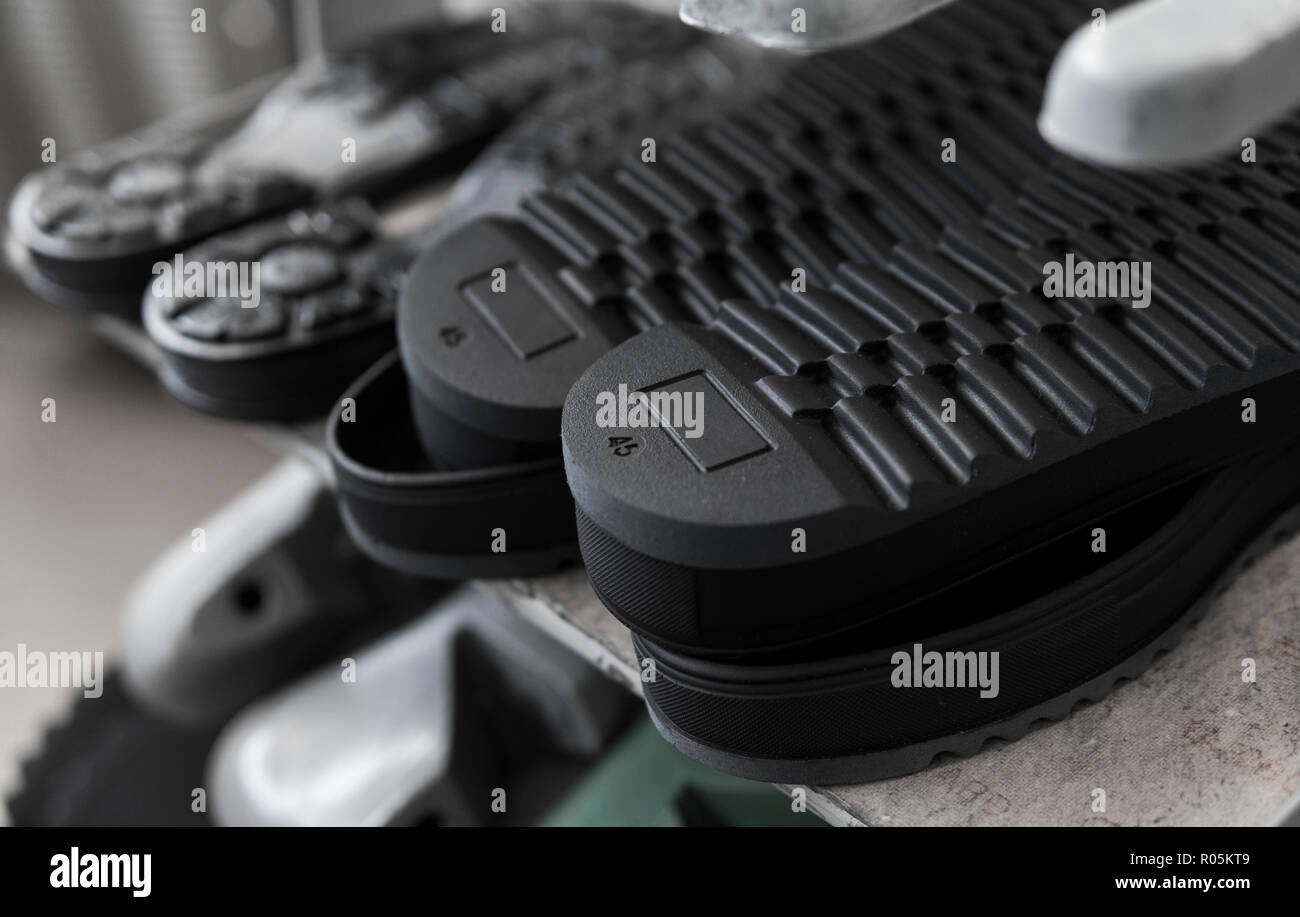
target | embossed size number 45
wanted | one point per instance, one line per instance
(623, 446)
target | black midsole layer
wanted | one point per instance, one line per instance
(845, 707)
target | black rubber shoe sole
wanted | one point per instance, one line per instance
(522, 361)
(409, 515)
(427, 498)
(111, 763)
(710, 544)
(911, 402)
(836, 718)
(288, 357)
(317, 332)
(830, 159)
(421, 101)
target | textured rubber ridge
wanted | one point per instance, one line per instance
(965, 496)
(838, 165)
(403, 502)
(112, 764)
(921, 408)
(837, 159)
(772, 726)
(576, 125)
(573, 131)
(657, 595)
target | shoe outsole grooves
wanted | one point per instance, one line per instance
(109, 763)
(909, 759)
